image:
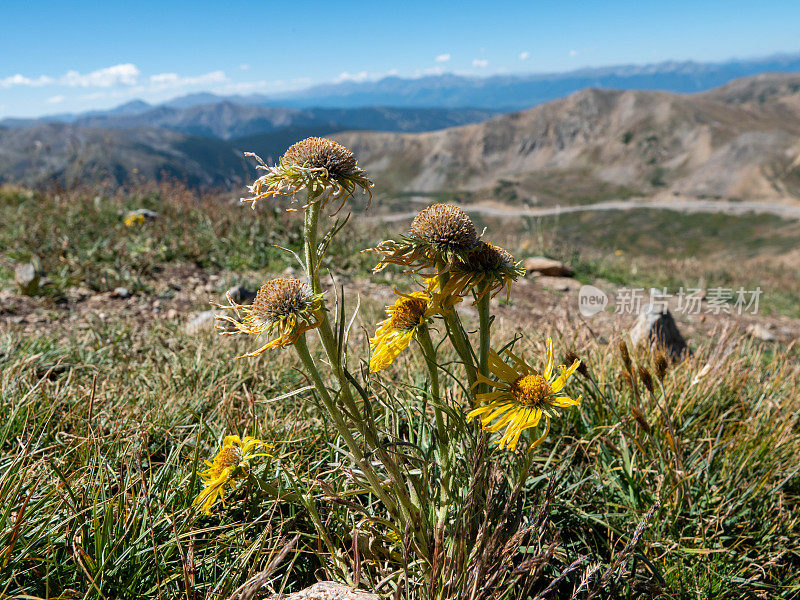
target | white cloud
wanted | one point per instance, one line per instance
(55, 99)
(124, 74)
(163, 81)
(244, 67)
(357, 77)
(428, 71)
(21, 80)
(480, 62)
(573, 53)
(443, 57)
(244, 87)
(524, 55)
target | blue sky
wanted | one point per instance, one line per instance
(65, 56)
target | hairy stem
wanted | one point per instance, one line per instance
(484, 331)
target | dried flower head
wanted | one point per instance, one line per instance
(438, 236)
(324, 168)
(485, 269)
(284, 306)
(523, 396)
(445, 226)
(232, 462)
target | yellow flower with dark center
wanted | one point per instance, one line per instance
(487, 267)
(395, 333)
(522, 397)
(284, 306)
(326, 169)
(232, 462)
(438, 236)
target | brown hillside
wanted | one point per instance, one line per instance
(739, 141)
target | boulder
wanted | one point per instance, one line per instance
(327, 590)
(548, 266)
(655, 326)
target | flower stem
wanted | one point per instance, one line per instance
(425, 342)
(308, 362)
(484, 331)
(457, 335)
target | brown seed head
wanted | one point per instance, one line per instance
(571, 357)
(445, 226)
(487, 258)
(280, 298)
(320, 153)
(662, 364)
(646, 378)
(626, 357)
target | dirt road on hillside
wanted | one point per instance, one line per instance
(780, 209)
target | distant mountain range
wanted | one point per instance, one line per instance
(739, 141)
(200, 138)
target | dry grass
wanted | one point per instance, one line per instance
(689, 489)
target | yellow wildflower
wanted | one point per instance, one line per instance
(395, 333)
(523, 396)
(232, 462)
(134, 219)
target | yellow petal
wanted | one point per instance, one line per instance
(565, 374)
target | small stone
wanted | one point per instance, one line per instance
(172, 314)
(241, 295)
(28, 278)
(548, 266)
(121, 292)
(200, 322)
(656, 326)
(559, 284)
(761, 332)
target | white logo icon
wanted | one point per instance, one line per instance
(591, 300)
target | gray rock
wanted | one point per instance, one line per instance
(200, 322)
(761, 332)
(28, 278)
(327, 590)
(121, 292)
(241, 295)
(559, 284)
(656, 326)
(548, 266)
